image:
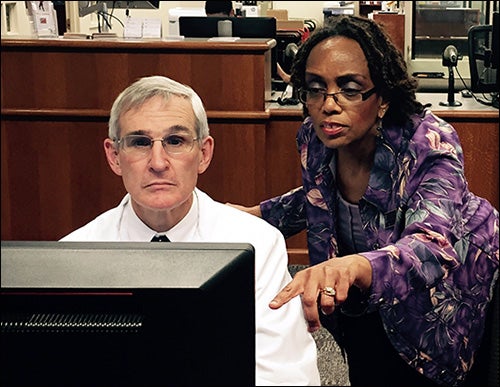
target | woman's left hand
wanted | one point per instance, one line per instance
(328, 283)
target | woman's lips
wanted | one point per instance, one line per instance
(331, 129)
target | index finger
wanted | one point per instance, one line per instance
(286, 294)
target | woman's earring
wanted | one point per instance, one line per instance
(379, 128)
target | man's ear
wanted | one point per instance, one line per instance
(112, 156)
(207, 152)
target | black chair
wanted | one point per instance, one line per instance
(486, 369)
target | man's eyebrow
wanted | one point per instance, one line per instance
(138, 132)
(179, 128)
(171, 129)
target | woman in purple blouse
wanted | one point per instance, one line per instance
(404, 258)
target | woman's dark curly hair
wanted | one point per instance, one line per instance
(386, 64)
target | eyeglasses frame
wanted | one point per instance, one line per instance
(364, 95)
(119, 142)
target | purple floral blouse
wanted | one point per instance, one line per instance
(433, 243)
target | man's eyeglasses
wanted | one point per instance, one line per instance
(346, 97)
(141, 145)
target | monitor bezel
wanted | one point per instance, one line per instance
(188, 326)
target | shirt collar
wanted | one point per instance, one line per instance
(134, 229)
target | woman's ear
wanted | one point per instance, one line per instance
(382, 109)
(112, 156)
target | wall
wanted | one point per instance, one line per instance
(18, 23)
(296, 10)
(299, 10)
(302, 9)
(88, 24)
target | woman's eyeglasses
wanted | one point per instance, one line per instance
(346, 97)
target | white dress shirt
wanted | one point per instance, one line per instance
(285, 351)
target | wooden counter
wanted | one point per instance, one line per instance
(87, 75)
(477, 126)
(56, 96)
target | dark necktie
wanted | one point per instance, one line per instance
(160, 238)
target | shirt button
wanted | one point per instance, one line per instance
(376, 246)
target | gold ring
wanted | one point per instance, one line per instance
(329, 291)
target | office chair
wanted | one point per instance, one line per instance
(486, 369)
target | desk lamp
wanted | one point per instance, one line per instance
(450, 59)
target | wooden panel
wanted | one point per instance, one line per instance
(282, 156)
(83, 80)
(394, 25)
(478, 131)
(238, 168)
(283, 171)
(54, 178)
(480, 145)
(90, 76)
(56, 97)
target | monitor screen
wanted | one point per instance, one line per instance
(127, 314)
(259, 27)
(175, 13)
(483, 69)
(495, 42)
(242, 27)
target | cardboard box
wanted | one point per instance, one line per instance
(279, 14)
(289, 24)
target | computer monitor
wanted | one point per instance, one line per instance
(243, 27)
(127, 314)
(258, 27)
(483, 57)
(175, 13)
(495, 40)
